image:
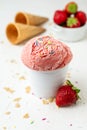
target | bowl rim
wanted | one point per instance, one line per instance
(64, 28)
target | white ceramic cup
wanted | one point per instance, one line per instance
(68, 34)
(45, 84)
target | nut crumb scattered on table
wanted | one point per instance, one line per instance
(8, 113)
(4, 128)
(28, 89)
(26, 115)
(49, 100)
(17, 99)
(9, 90)
(22, 78)
(17, 105)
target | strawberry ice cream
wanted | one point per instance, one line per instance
(47, 61)
(46, 53)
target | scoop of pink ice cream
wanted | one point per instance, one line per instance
(46, 53)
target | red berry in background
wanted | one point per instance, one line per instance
(71, 7)
(67, 95)
(81, 17)
(60, 17)
(73, 22)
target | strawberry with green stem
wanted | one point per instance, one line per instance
(71, 7)
(67, 95)
(73, 22)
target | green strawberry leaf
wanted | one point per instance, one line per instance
(73, 87)
(68, 83)
(72, 7)
(76, 89)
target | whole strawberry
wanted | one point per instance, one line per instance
(67, 95)
(73, 22)
(71, 7)
(60, 17)
(81, 17)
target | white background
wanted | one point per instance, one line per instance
(11, 69)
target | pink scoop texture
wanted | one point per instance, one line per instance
(46, 53)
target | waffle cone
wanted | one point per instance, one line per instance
(30, 19)
(17, 32)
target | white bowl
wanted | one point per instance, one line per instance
(68, 34)
(46, 83)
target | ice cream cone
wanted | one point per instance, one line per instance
(30, 19)
(17, 32)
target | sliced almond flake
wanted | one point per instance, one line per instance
(28, 89)
(45, 101)
(22, 78)
(4, 128)
(26, 116)
(8, 113)
(9, 90)
(17, 99)
(51, 99)
(17, 105)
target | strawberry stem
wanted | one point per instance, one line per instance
(72, 7)
(73, 87)
(69, 83)
(76, 89)
(72, 21)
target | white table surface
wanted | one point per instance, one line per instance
(14, 76)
